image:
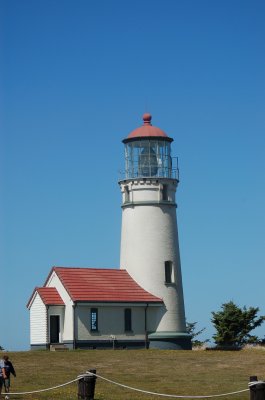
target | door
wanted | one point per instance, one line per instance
(54, 328)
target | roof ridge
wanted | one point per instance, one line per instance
(96, 268)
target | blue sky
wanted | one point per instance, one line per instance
(76, 77)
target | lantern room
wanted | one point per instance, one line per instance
(148, 153)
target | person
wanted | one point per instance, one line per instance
(2, 375)
(9, 369)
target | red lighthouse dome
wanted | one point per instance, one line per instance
(147, 130)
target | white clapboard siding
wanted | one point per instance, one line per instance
(38, 321)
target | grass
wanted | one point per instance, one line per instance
(171, 372)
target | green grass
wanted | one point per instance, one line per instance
(171, 372)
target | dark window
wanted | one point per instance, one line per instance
(168, 272)
(127, 319)
(165, 193)
(127, 195)
(94, 319)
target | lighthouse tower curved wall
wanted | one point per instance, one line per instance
(149, 240)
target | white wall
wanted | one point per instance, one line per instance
(149, 238)
(110, 322)
(38, 322)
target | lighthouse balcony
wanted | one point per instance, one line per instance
(137, 170)
(161, 173)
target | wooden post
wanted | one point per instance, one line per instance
(257, 390)
(86, 386)
(252, 394)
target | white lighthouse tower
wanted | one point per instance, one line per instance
(149, 235)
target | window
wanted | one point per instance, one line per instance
(127, 319)
(165, 193)
(94, 319)
(145, 158)
(127, 195)
(169, 278)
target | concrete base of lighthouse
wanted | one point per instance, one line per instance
(170, 341)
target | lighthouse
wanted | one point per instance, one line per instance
(140, 304)
(149, 235)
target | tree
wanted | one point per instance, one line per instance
(190, 327)
(233, 324)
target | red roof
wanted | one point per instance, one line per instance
(147, 130)
(49, 296)
(102, 285)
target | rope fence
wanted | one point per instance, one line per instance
(86, 385)
(167, 395)
(47, 389)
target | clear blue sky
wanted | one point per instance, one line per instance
(76, 77)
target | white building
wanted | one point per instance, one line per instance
(141, 304)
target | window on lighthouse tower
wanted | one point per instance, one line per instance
(147, 162)
(165, 193)
(126, 194)
(169, 272)
(148, 158)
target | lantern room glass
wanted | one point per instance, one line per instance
(148, 158)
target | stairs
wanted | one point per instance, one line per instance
(58, 347)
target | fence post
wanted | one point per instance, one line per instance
(257, 390)
(252, 394)
(86, 386)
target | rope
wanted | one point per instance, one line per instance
(167, 395)
(88, 373)
(50, 388)
(253, 383)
